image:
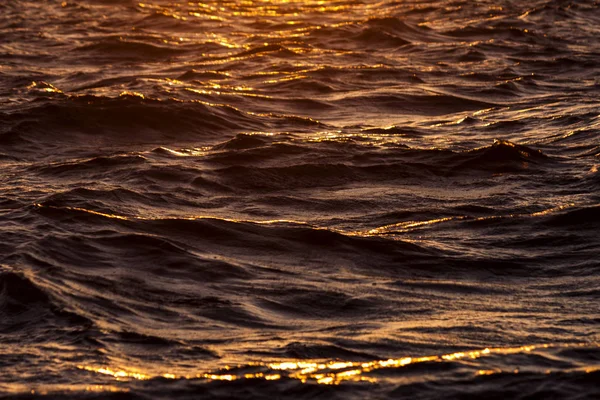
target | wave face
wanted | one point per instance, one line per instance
(299, 199)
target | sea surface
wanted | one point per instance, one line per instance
(302, 199)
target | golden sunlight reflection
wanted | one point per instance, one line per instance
(118, 374)
(385, 230)
(247, 8)
(44, 87)
(49, 390)
(333, 372)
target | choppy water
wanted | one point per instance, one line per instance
(299, 199)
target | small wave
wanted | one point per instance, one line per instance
(316, 304)
(193, 74)
(472, 56)
(403, 28)
(375, 33)
(28, 307)
(277, 49)
(303, 351)
(99, 165)
(382, 39)
(502, 156)
(439, 104)
(18, 293)
(126, 119)
(243, 141)
(487, 32)
(581, 217)
(118, 49)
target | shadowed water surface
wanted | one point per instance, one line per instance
(299, 199)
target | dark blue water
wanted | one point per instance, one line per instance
(299, 199)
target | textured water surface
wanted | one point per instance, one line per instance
(299, 199)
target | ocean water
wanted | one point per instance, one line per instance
(299, 199)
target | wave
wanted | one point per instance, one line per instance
(182, 246)
(222, 232)
(402, 163)
(279, 50)
(272, 163)
(581, 217)
(19, 293)
(99, 165)
(438, 104)
(528, 371)
(502, 156)
(119, 48)
(126, 119)
(376, 33)
(29, 309)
